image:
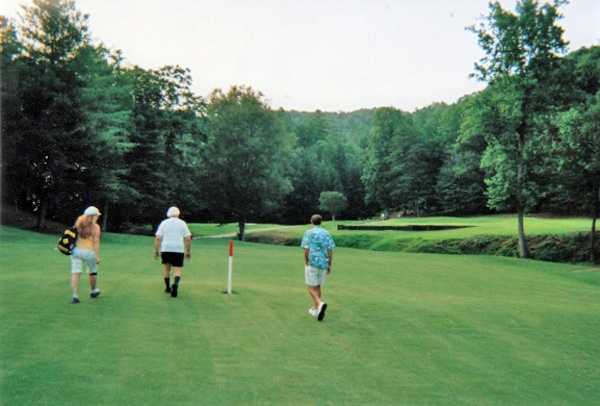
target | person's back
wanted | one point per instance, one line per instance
(318, 241)
(173, 230)
(318, 245)
(172, 238)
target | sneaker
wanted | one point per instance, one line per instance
(95, 293)
(75, 300)
(174, 291)
(313, 312)
(168, 289)
(321, 311)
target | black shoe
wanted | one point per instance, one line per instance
(95, 294)
(174, 291)
(75, 300)
(322, 309)
(168, 289)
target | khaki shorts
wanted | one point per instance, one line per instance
(314, 276)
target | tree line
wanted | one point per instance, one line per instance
(81, 125)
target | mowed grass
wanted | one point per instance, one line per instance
(401, 329)
(506, 225)
(213, 229)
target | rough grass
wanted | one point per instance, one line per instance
(401, 329)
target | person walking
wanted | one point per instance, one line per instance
(87, 250)
(318, 256)
(172, 237)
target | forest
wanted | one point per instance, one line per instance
(81, 126)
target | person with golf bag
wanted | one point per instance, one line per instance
(86, 251)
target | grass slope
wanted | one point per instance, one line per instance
(401, 329)
(556, 240)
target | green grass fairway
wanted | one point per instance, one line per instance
(401, 329)
(481, 225)
(214, 229)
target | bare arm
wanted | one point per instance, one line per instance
(188, 247)
(157, 241)
(306, 251)
(97, 242)
(330, 256)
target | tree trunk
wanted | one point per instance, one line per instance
(523, 252)
(242, 226)
(595, 206)
(104, 215)
(41, 221)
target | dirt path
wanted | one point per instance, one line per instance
(247, 231)
(586, 270)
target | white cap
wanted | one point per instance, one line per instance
(173, 212)
(92, 211)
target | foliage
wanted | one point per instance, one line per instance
(43, 135)
(81, 126)
(333, 202)
(243, 162)
(520, 51)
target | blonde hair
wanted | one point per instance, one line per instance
(85, 225)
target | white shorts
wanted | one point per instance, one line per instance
(314, 276)
(79, 256)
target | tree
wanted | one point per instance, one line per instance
(461, 187)
(576, 146)
(389, 125)
(243, 170)
(42, 119)
(107, 108)
(417, 157)
(165, 117)
(580, 147)
(521, 50)
(333, 202)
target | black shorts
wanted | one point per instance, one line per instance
(173, 258)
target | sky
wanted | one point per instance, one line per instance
(331, 55)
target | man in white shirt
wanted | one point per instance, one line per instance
(171, 236)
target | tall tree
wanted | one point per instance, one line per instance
(576, 146)
(389, 126)
(520, 50)
(107, 107)
(243, 162)
(42, 117)
(164, 118)
(461, 187)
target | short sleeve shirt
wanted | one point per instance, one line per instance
(318, 241)
(173, 230)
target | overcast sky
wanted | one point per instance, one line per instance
(332, 55)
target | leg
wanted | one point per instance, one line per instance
(167, 271)
(167, 277)
(93, 278)
(177, 271)
(76, 267)
(315, 293)
(177, 274)
(75, 283)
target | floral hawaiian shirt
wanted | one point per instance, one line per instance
(318, 241)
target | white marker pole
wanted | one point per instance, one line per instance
(230, 267)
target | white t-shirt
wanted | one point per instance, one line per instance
(172, 230)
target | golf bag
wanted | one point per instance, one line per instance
(67, 241)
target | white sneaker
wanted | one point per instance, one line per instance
(313, 312)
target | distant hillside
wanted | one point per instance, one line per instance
(354, 126)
